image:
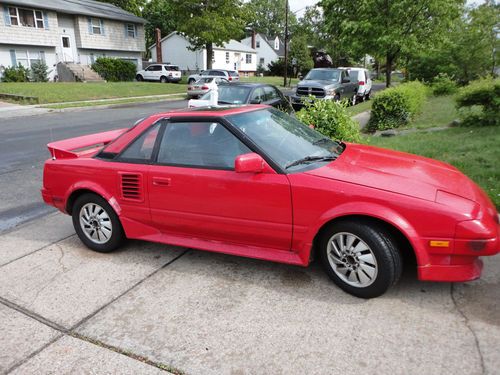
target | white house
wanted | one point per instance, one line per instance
(231, 56)
(73, 31)
(268, 49)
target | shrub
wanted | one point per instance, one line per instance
(114, 70)
(39, 72)
(442, 84)
(397, 106)
(277, 68)
(479, 103)
(16, 74)
(331, 119)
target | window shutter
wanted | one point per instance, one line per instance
(103, 32)
(13, 57)
(90, 25)
(6, 15)
(126, 30)
(46, 20)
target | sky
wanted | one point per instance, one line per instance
(298, 6)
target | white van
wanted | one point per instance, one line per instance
(361, 75)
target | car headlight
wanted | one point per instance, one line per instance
(330, 92)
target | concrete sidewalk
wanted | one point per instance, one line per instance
(151, 308)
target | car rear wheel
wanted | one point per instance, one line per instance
(368, 95)
(139, 78)
(163, 79)
(97, 224)
(362, 259)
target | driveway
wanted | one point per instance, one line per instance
(151, 308)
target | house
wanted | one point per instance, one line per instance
(233, 55)
(68, 32)
(268, 49)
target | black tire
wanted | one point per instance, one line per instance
(163, 79)
(191, 80)
(337, 98)
(117, 235)
(368, 96)
(139, 78)
(388, 263)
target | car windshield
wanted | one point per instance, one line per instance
(323, 75)
(290, 144)
(205, 80)
(229, 94)
(233, 73)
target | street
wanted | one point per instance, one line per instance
(23, 150)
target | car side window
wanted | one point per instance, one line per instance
(200, 144)
(150, 68)
(271, 93)
(142, 148)
(258, 95)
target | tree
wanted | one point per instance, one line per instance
(210, 22)
(132, 6)
(268, 17)
(159, 14)
(300, 52)
(390, 28)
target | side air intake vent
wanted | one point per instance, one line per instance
(131, 186)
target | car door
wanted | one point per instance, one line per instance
(148, 72)
(195, 192)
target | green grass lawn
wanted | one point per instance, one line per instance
(474, 151)
(75, 91)
(438, 111)
(361, 107)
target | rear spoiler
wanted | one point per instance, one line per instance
(72, 147)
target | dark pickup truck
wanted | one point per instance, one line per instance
(328, 84)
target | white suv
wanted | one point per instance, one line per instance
(160, 72)
(362, 76)
(230, 75)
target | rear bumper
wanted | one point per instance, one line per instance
(52, 200)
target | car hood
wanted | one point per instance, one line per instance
(398, 172)
(319, 84)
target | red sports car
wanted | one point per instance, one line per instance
(253, 181)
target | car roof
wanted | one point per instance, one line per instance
(329, 69)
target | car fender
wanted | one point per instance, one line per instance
(376, 211)
(97, 189)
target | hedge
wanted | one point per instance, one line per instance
(479, 103)
(114, 70)
(397, 106)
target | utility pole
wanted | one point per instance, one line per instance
(286, 43)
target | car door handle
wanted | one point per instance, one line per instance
(161, 181)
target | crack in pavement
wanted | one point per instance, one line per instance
(469, 327)
(71, 331)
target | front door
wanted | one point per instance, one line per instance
(67, 49)
(194, 190)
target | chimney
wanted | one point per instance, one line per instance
(253, 39)
(159, 57)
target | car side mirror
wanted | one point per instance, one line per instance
(346, 80)
(255, 101)
(249, 163)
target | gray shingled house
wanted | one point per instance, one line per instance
(68, 35)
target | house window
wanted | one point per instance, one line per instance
(96, 26)
(131, 30)
(227, 57)
(257, 44)
(248, 59)
(261, 61)
(26, 17)
(28, 58)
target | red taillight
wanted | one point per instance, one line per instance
(204, 87)
(361, 83)
(230, 78)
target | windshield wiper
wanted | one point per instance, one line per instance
(310, 159)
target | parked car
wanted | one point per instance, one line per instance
(363, 77)
(230, 75)
(160, 72)
(255, 182)
(202, 86)
(326, 84)
(247, 93)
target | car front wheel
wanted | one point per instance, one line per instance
(362, 259)
(96, 223)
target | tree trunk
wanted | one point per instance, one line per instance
(388, 69)
(210, 53)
